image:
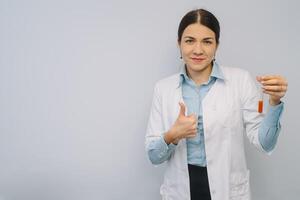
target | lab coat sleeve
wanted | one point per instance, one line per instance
(251, 117)
(156, 148)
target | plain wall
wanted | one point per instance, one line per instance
(76, 84)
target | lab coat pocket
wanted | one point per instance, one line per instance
(163, 192)
(166, 190)
(239, 186)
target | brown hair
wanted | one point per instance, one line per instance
(203, 17)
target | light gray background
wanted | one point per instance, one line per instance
(76, 83)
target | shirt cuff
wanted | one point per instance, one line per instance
(172, 146)
(273, 115)
(165, 146)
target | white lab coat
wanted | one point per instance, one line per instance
(229, 111)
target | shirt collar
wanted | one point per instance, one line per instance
(216, 72)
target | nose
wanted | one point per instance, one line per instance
(198, 49)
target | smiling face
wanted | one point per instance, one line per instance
(198, 47)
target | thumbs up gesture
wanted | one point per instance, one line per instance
(184, 127)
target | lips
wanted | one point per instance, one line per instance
(198, 59)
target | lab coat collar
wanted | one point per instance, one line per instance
(216, 72)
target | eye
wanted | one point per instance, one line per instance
(207, 42)
(188, 41)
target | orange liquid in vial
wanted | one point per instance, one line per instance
(260, 106)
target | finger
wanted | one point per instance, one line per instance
(194, 127)
(195, 122)
(193, 131)
(274, 82)
(268, 77)
(182, 109)
(191, 135)
(258, 78)
(275, 88)
(275, 94)
(193, 117)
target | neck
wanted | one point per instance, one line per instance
(201, 76)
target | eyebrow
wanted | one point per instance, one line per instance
(207, 38)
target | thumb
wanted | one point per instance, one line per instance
(182, 109)
(259, 78)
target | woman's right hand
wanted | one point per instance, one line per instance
(184, 127)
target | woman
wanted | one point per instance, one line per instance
(198, 118)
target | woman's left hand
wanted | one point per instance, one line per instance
(275, 86)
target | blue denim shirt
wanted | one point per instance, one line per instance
(192, 96)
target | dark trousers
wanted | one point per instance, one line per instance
(199, 186)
